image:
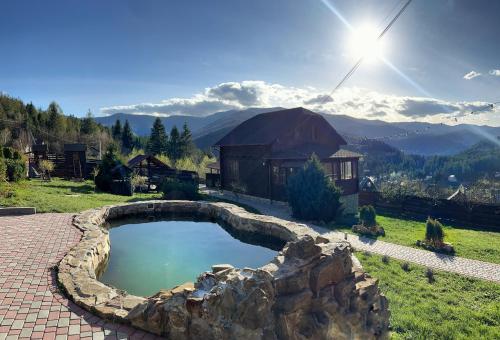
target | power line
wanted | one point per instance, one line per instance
(358, 63)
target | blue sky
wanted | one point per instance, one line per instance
(197, 57)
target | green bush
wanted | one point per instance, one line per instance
(368, 216)
(16, 169)
(311, 195)
(3, 170)
(7, 153)
(104, 178)
(174, 189)
(434, 233)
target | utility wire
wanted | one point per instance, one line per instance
(358, 63)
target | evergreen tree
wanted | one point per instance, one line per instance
(89, 125)
(187, 145)
(158, 140)
(116, 130)
(127, 138)
(174, 145)
(55, 117)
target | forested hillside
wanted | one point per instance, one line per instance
(480, 160)
(22, 124)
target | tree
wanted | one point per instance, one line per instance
(46, 167)
(116, 130)
(311, 195)
(127, 138)
(187, 145)
(157, 144)
(89, 125)
(174, 145)
(55, 117)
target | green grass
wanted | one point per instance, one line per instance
(62, 196)
(472, 244)
(453, 307)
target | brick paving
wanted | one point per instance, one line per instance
(454, 264)
(31, 306)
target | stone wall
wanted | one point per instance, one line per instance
(313, 289)
(349, 204)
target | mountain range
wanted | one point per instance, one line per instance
(409, 137)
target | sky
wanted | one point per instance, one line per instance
(438, 63)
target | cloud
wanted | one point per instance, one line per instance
(495, 73)
(472, 75)
(352, 101)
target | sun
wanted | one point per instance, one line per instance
(364, 42)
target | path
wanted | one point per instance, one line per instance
(30, 304)
(454, 264)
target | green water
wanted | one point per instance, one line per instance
(146, 257)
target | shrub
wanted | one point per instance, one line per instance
(175, 189)
(385, 259)
(3, 170)
(434, 233)
(47, 167)
(368, 216)
(311, 195)
(7, 153)
(405, 266)
(429, 274)
(105, 177)
(16, 169)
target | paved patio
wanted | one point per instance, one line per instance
(31, 305)
(472, 268)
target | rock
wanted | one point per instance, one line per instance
(313, 289)
(220, 267)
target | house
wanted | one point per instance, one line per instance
(259, 156)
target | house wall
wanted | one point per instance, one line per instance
(253, 171)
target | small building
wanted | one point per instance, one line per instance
(367, 184)
(75, 161)
(212, 177)
(151, 167)
(260, 155)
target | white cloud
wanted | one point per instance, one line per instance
(495, 73)
(353, 101)
(472, 75)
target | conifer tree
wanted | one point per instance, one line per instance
(174, 144)
(127, 138)
(187, 145)
(116, 130)
(157, 144)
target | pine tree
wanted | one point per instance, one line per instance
(89, 125)
(127, 138)
(116, 130)
(55, 117)
(157, 144)
(174, 144)
(187, 145)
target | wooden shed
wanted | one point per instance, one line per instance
(75, 161)
(151, 167)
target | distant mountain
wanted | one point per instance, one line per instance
(410, 137)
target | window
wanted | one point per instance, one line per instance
(346, 170)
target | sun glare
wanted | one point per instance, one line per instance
(363, 43)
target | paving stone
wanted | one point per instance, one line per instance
(472, 268)
(30, 305)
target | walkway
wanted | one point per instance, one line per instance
(30, 304)
(454, 264)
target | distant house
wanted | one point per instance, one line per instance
(260, 155)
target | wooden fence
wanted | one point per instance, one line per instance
(485, 216)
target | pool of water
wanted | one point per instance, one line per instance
(148, 256)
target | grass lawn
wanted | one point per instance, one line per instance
(63, 196)
(472, 244)
(453, 307)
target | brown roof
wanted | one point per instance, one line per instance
(304, 151)
(214, 165)
(139, 158)
(346, 154)
(265, 128)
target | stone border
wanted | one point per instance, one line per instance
(306, 255)
(77, 270)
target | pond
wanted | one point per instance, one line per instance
(148, 256)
